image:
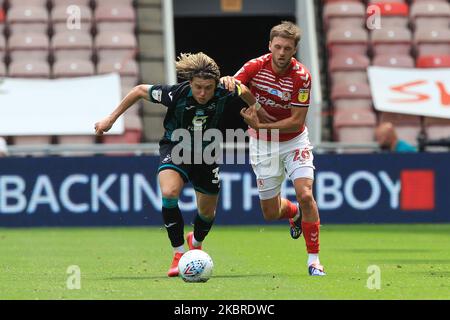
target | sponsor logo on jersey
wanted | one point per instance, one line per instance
(269, 102)
(157, 94)
(275, 92)
(211, 106)
(283, 95)
(198, 123)
(286, 96)
(167, 159)
(303, 95)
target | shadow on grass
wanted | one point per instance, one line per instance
(431, 273)
(387, 250)
(230, 276)
(430, 262)
(136, 278)
(419, 229)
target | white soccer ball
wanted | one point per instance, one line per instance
(195, 266)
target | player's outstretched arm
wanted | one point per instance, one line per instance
(137, 93)
(229, 83)
(247, 96)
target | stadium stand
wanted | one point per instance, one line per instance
(413, 33)
(59, 18)
(347, 68)
(24, 46)
(2, 18)
(351, 95)
(115, 17)
(38, 41)
(2, 69)
(391, 40)
(344, 15)
(71, 45)
(408, 127)
(432, 40)
(56, 3)
(347, 40)
(2, 47)
(129, 71)
(25, 18)
(69, 68)
(434, 61)
(393, 14)
(29, 69)
(437, 128)
(426, 14)
(32, 3)
(115, 45)
(355, 125)
(394, 61)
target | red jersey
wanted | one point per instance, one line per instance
(277, 93)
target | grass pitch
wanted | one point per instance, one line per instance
(256, 262)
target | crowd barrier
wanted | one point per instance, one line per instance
(104, 191)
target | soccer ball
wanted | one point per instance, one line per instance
(195, 266)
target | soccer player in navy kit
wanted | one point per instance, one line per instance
(195, 104)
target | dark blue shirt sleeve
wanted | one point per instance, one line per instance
(229, 95)
(162, 94)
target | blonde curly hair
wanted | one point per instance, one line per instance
(190, 65)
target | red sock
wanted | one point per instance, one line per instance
(311, 235)
(290, 211)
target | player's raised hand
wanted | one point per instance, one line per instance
(103, 125)
(229, 83)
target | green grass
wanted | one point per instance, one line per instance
(257, 262)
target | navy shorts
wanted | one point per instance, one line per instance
(204, 177)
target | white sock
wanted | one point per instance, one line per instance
(179, 249)
(196, 243)
(313, 258)
(295, 218)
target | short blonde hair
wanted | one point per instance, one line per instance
(288, 30)
(199, 65)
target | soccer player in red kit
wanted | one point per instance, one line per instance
(282, 87)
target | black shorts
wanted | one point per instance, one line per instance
(204, 177)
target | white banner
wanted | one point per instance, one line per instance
(424, 92)
(58, 107)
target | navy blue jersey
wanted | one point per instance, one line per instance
(184, 112)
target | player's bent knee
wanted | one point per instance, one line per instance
(271, 208)
(170, 192)
(306, 198)
(270, 214)
(207, 211)
(209, 215)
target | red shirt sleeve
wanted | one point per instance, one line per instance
(248, 71)
(302, 88)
